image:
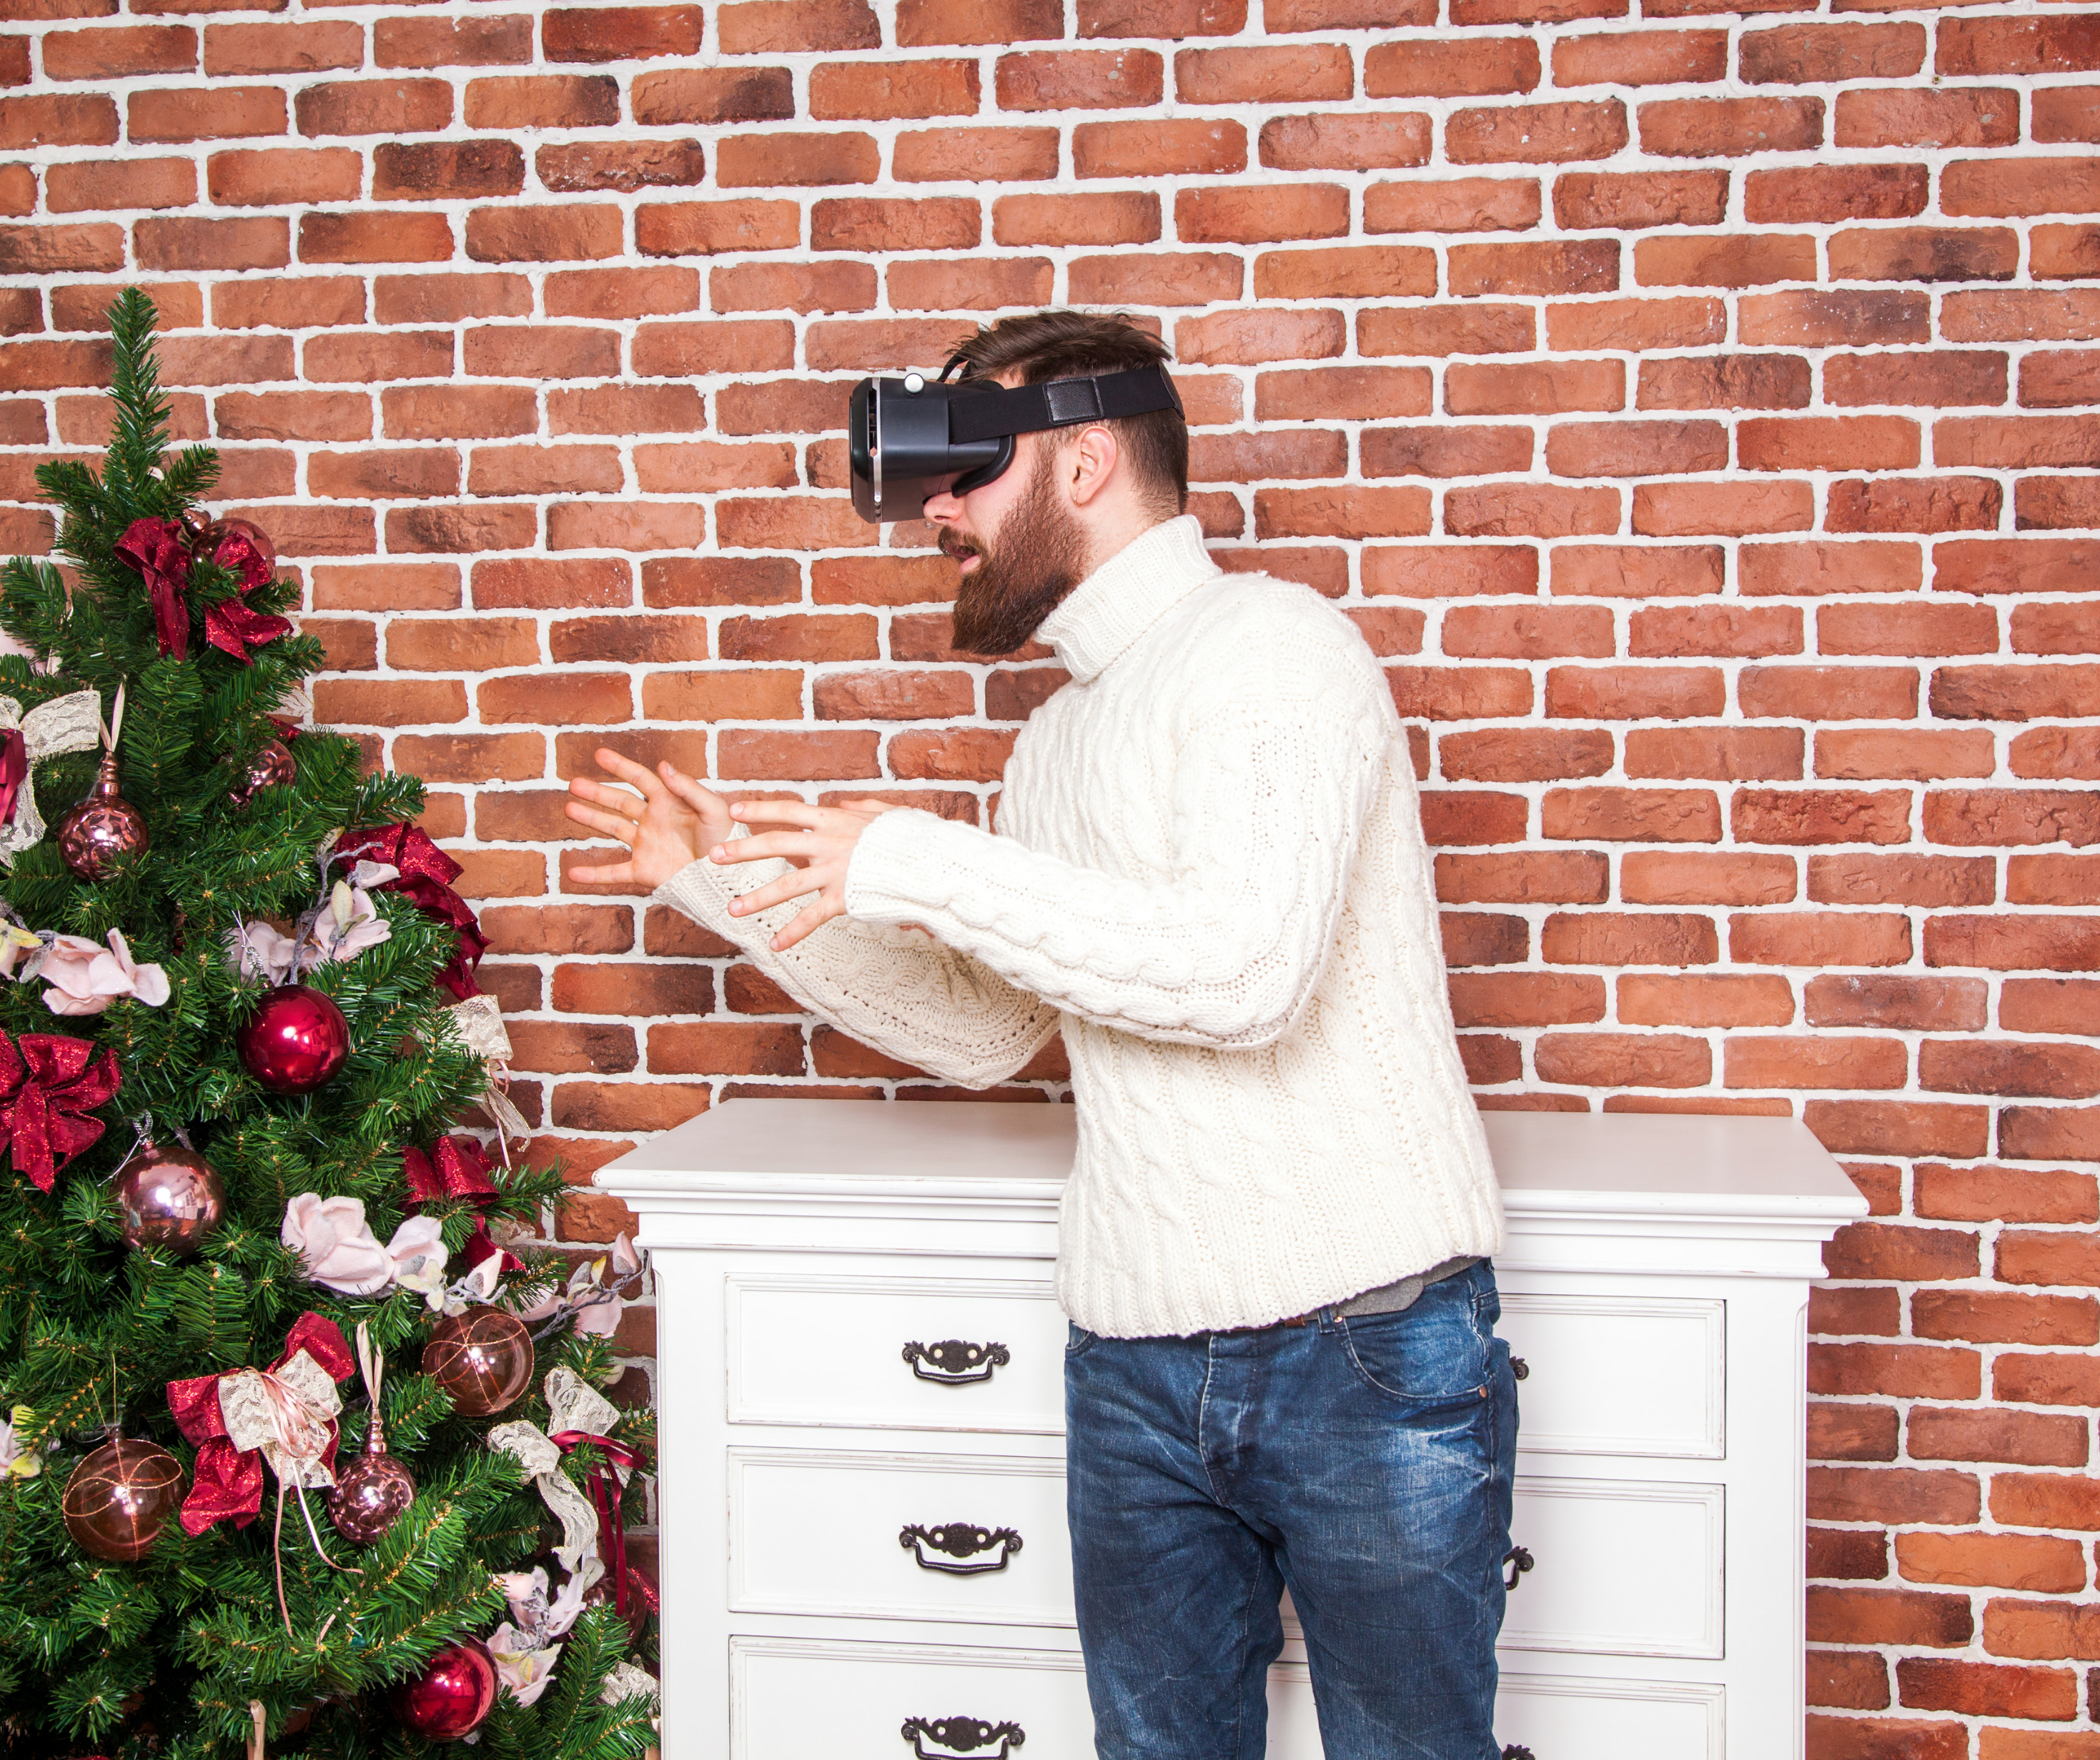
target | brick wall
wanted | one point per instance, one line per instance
(1696, 410)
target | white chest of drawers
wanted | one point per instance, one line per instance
(860, 1383)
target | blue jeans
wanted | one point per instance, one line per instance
(1365, 1464)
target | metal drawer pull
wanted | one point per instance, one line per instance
(962, 1736)
(1519, 1561)
(1513, 1751)
(961, 1541)
(956, 1362)
(1522, 1371)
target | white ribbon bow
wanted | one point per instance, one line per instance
(64, 724)
(285, 1414)
(572, 1405)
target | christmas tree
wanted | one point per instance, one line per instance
(240, 1048)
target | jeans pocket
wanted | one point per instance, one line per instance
(1077, 1341)
(1436, 1352)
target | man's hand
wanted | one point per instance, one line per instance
(820, 848)
(668, 827)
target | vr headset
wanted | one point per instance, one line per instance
(911, 437)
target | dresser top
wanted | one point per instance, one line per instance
(1548, 1163)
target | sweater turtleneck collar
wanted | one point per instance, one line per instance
(1126, 595)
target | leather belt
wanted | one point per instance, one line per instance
(1387, 1298)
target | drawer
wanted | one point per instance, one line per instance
(882, 1353)
(803, 1699)
(1556, 1716)
(794, 1699)
(1620, 1567)
(1620, 1374)
(1572, 1717)
(970, 1538)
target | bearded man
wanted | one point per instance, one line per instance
(1209, 872)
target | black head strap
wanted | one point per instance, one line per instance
(1061, 402)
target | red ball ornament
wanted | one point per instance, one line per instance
(273, 766)
(296, 1041)
(170, 1198)
(454, 1695)
(481, 1359)
(118, 1500)
(103, 830)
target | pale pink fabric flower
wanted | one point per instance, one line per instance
(85, 979)
(331, 1235)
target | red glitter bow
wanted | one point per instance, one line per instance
(227, 1481)
(155, 547)
(47, 1089)
(232, 625)
(603, 1484)
(14, 771)
(457, 1167)
(426, 876)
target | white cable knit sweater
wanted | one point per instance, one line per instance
(1209, 871)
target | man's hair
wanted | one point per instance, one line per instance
(1042, 345)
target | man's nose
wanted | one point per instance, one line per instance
(943, 506)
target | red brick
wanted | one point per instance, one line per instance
(1075, 79)
(269, 178)
(1568, 877)
(1857, 1680)
(1625, 571)
(2052, 880)
(977, 155)
(1819, 318)
(1899, 116)
(1705, 1001)
(1584, 200)
(1191, 145)
(1873, 753)
(2045, 1500)
(1344, 142)
(2042, 1630)
(1445, 451)
(1543, 510)
(106, 186)
(1908, 1617)
(392, 235)
(429, 171)
(2038, 316)
(775, 25)
(2026, 1439)
(117, 52)
(1451, 570)
(1635, 448)
(1629, 815)
(1714, 753)
(2015, 693)
(1805, 55)
(57, 119)
(2004, 1193)
(1870, 628)
(1633, 693)
(620, 34)
(502, 104)
(1726, 630)
(1799, 194)
(1827, 443)
(1674, 510)
(1612, 1060)
(2020, 186)
(1435, 331)
(1819, 569)
(1525, 999)
(1638, 937)
(1852, 1430)
(1896, 1495)
(1453, 205)
(1460, 693)
(1470, 67)
(1724, 381)
(2017, 565)
(1820, 938)
(1901, 1372)
(2066, 113)
(1537, 133)
(1308, 72)
(1715, 127)
(1979, 1689)
(430, 42)
(1989, 1316)
(1527, 755)
(1453, 817)
(2058, 1379)
(1642, 58)
(1679, 877)
(1925, 253)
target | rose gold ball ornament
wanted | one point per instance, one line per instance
(372, 1491)
(272, 767)
(118, 1499)
(452, 1698)
(170, 1198)
(103, 830)
(481, 1359)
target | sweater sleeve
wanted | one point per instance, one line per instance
(1269, 798)
(896, 990)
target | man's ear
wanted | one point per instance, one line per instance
(1090, 464)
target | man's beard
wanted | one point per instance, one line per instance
(1039, 556)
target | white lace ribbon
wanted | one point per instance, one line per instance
(64, 725)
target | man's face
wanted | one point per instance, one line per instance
(1020, 550)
